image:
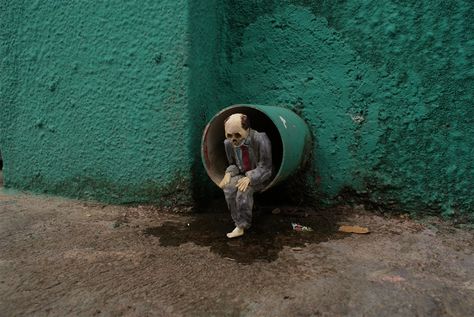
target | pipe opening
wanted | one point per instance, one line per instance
(213, 151)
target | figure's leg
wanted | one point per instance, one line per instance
(244, 202)
(243, 212)
(230, 193)
(233, 202)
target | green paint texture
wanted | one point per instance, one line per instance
(95, 99)
(386, 87)
(108, 100)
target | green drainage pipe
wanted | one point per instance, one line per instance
(288, 134)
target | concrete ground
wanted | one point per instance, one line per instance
(63, 257)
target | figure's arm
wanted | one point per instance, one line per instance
(263, 171)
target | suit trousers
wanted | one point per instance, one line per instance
(240, 203)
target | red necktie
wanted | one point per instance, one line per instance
(245, 158)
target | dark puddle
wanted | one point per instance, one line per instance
(267, 237)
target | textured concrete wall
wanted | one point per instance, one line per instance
(108, 100)
(95, 98)
(386, 86)
(207, 32)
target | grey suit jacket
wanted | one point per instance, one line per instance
(260, 155)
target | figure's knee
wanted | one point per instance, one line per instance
(248, 191)
(231, 187)
(245, 195)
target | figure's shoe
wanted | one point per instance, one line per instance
(237, 232)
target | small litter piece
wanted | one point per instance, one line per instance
(298, 227)
(297, 249)
(276, 211)
(393, 278)
(353, 229)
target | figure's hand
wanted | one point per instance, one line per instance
(225, 180)
(243, 183)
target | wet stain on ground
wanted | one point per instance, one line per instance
(267, 237)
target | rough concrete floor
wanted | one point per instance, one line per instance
(70, 258)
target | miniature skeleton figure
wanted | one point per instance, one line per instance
(250, 168)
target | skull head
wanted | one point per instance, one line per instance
(237, 128)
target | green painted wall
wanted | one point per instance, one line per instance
(95, 98)
(386, 87)
(205, 84)
(108, 100)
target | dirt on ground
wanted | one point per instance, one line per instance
(62, 257)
